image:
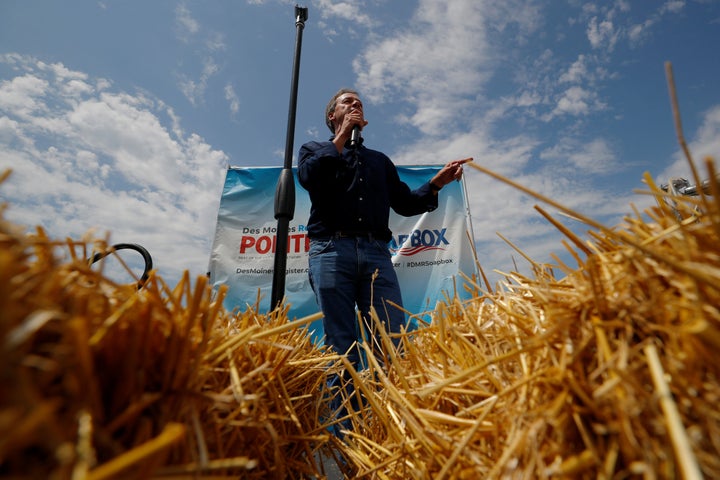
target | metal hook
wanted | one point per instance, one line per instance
(129, 246)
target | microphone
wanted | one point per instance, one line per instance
(355, 136)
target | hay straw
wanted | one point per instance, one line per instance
(164, 380)
(536, 377)
(561, 365)
(171, 433)
(678, 435)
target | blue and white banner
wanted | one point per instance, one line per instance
(429, 250)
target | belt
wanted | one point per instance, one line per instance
(353, 234)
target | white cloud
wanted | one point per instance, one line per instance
(232, 99)
(194, 85)
(187, 25)
(105, 160)
(441, 58)
(576, 101)
(602, 34)
(704, 144)
(707, 140)
(560, 173)
(672, 6)
(194, 90)
(350, 10)
(215, 42)
(577, 72)
(23, 95)
(121, 127)
(609, 25)
(594, 157)
(638, 32)
(437, 69)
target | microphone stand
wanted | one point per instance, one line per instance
(285, 188)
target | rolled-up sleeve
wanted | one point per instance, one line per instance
(407, 202)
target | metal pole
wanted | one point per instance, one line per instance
(285, 189)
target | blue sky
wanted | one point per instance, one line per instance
(120, 117)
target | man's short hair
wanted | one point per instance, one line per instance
(331, 106)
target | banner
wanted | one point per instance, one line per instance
(429, 250)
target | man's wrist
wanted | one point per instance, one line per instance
(434, 187)
(339, 143)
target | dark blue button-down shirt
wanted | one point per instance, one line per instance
(354, 191)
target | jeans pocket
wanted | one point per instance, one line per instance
(320, 246)
(382, 247)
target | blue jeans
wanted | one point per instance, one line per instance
(341, 271)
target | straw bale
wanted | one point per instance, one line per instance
(605, 370)
(107, 381)
(608, 372)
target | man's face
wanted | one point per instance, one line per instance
(346, 103)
